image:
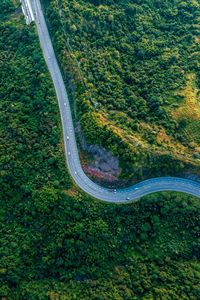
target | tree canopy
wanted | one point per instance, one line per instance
(139, 58)
(55, 241)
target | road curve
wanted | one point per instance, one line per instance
(126, 195)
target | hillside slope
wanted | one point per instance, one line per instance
(132, 70)
(56, 242)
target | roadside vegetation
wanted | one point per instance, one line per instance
(57, 243)
(132, 68)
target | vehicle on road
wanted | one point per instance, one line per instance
(73, 162)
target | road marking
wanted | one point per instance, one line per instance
(73, 162)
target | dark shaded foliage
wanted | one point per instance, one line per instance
(56, 243)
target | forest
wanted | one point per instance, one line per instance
(132, 70)
(57, 243)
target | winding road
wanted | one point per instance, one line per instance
(126, 195)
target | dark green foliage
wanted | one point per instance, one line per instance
(56, 243)
(30, 129)
(83, 248)
(6, 7)
(133, 57)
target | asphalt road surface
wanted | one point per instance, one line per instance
(125, 195)
(26, 8)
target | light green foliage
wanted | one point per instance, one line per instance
(58, 244)
(134, 57)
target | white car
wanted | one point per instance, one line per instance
(68, 138)
(115, 191)
(128, 198)
(75, 172)
(65, 103)
(69, 153)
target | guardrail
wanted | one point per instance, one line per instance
(124, 195)
(27, 11)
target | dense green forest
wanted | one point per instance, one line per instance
(55, 242)
(133, 72)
